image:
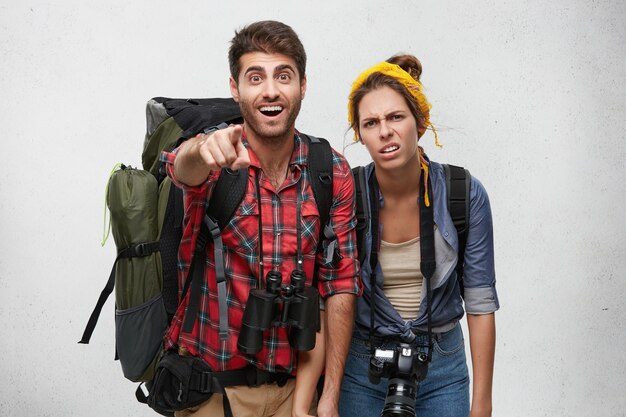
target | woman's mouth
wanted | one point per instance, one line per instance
(390, 148)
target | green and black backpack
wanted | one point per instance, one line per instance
(146, 212)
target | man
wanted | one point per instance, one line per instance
(267, 64)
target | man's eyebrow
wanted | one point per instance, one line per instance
(284, 67)
(255, 68)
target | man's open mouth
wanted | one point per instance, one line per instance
(271, 111)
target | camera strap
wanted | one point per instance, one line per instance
(374, 208)
(427, 251)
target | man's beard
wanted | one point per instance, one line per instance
(274, 133)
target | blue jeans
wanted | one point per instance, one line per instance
(444, 392)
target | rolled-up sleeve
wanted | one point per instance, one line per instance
(168, 159)
(479, 271)
(343, 275)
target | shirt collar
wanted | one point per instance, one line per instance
(298, 156)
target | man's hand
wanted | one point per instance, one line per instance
(224, 149)
(327, 407)
(339, 318)
(204, 153)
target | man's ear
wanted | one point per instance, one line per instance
(303, 87)
(234, 90)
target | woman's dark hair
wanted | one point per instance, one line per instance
(410, 64)
(266, 36)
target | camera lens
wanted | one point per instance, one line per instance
(400, 400)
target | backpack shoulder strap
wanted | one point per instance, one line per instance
(231, 186)
(362, 210)
(320, 166)
(227, 195)
(458, 180)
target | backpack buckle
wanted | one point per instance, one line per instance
(325, 178)
(206, 382)
(145, 249)
(141, 249)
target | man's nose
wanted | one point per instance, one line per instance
(270, 90)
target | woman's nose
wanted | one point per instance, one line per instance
(385, 130)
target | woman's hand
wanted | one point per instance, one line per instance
(481, 409)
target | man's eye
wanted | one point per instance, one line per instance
(284, 77)
(255, 78)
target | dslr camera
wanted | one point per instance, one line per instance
(405, 367)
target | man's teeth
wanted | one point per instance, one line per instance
(271, 108)
(390, 149)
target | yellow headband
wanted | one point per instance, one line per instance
(412, 85)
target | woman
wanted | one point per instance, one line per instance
(389, 113)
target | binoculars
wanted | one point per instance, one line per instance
(292, 305)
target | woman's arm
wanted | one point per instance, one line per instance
(482, 334)
(310, 367)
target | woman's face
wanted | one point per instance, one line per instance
(388, 129)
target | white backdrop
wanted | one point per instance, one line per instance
(528, 95)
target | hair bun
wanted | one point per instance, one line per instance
(409, 63)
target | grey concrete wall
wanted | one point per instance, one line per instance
(528, 95)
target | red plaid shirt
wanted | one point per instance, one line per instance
(240, 239)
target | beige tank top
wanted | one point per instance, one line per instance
(402, 282)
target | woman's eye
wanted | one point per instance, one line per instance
(369, 123)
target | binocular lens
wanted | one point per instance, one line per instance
(298, 279)
(273, 280)
(293, 305)
(302, 339)
(257, 317)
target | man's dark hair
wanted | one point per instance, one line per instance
(266, 36)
